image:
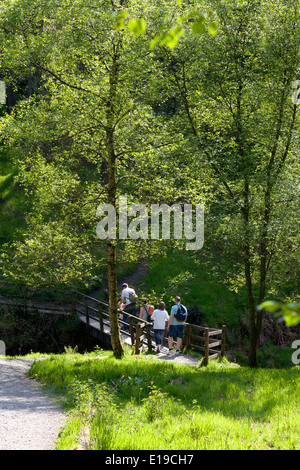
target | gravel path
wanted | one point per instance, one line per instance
(28, 419)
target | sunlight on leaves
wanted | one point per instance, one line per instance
(137, 26)
(118, 19)
(290, 312)
(199, 25)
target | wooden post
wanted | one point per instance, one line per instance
(165, 338)
(138, 330)
(188, 332)
(100, 317)
(73, 308)
(130, 321)
(223, 340)
(206, 347)
(25, 299)
(86, 308)
(149, 337)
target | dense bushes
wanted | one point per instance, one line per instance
(45, 333)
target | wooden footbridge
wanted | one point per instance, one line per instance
(94, 317)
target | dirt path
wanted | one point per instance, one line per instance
(28, 419)
(133, 280)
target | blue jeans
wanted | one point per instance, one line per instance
(159, 334)
(130, 308)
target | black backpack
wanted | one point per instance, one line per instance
(181, 313)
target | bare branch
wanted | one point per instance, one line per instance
(64, 82)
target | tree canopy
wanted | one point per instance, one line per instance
(164, 102)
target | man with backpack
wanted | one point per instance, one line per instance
(129, 298)
(176, 323)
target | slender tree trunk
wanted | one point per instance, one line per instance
(252, 316)
(10, 99)
(112, 256)
(254, 334)
(254, 326)
(273, 173)
(113, 300)
(112, 186)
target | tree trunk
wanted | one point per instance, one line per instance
(111, 254)
(112, 186)
(113, 300)
(252, 356)
(10, 99)
(255, 326)
(252, 318)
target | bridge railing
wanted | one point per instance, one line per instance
(201, 338)
(198, 338)
(33, 298)
(94, 310)
(210, 341)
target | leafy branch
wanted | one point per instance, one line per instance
(290, 312)
(195, 20)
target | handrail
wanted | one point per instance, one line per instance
(140, 332)
(39, 289)
(101, 302)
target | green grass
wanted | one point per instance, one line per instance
(182, 273)
(209, 302)
(144, 403)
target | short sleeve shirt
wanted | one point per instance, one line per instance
(173, 312)
(125, 295)
(159, 317)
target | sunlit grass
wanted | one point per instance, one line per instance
(144, 403)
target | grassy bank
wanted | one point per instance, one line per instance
(211, 303)
(144, 403)
(181, 273)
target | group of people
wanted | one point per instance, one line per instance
(175, 321)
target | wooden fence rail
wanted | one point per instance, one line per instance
(206, 339)
(33, 299)
(94, 313)
(139, 332)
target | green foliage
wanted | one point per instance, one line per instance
(25, 332)
(12, 203)
(290, 312)
(137, 26)
(192, 101)
(155, 403)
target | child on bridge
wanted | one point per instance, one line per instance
(159, 316)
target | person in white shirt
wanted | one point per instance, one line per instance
(159, 317)
(125, 299)
(126, 304)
